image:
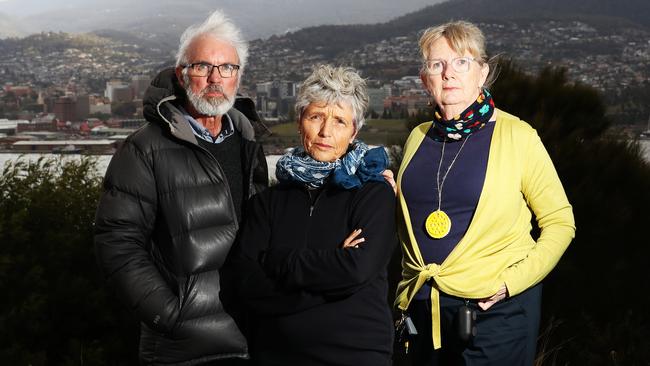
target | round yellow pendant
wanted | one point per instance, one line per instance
(437, 224)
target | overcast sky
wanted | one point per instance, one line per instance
(257, 18)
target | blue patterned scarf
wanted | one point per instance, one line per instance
(359, 165)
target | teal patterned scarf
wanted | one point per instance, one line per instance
(359, 165)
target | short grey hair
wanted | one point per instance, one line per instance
(219, 26)
(333, 84)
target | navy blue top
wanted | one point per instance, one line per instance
(460, 192)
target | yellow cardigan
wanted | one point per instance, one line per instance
(497, 247)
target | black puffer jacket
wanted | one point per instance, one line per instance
(164, 226)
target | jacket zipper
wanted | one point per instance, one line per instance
(210, 156)
(312, 205)
(307, 228)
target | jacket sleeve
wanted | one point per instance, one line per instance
(244, 281)
(544, 194)
(123, 225)
(339, 271)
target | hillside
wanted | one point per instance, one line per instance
(87, 60)
(602, 14)
(601, 43)
(166, 19)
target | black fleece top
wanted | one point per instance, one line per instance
(309, 301)
(228, 155)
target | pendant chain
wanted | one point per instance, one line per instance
(442, 156)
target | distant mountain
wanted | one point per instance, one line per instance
(332, 40)
(84, 61)
(164, 20)
(42, 44)
(130, 38)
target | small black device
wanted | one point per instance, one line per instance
(466, 322)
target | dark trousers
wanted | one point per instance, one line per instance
(506, 332)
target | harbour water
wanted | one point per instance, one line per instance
(271, 160)
(102, 160)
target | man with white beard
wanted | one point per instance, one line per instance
(173, 200)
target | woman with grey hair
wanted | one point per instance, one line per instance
(468, 185)
(310, 262)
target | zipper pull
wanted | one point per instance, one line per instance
(311, 210)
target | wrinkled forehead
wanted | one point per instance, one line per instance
(332, 101)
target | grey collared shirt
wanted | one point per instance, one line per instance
(227, 128)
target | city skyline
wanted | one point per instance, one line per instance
(52, 70)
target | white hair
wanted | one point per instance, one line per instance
(332, 85)
(219, 26)
(208, 106)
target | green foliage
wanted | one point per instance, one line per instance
(597, 291)
(421, 116)
(630, 104)
(375, 132)
(560, 110)
(55, 308)
(388, 125)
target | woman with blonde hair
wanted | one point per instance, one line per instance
(468, 186)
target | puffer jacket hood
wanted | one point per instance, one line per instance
(165, 90)
(164, 226)
(164, 87)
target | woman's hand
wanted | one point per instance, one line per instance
(390, 179)
(487, 303)
(352, 241)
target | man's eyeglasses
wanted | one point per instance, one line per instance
(203, 69)
(459, 64)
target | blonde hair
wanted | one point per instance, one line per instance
(462, 36)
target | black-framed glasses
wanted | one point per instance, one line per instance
(459, 64)
(203, 69)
